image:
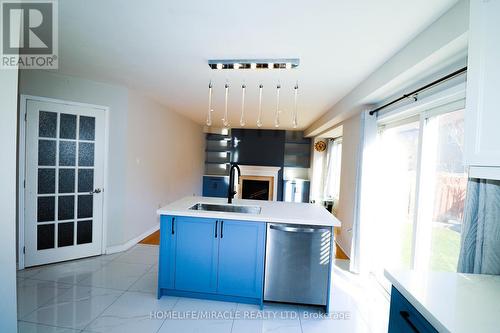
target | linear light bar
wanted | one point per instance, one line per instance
(254, 63)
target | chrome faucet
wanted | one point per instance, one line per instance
(231, 192)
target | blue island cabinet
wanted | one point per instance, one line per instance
(212, 259)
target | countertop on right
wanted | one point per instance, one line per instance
(452, 302)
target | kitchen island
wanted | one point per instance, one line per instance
(443, 302)
(212, 250)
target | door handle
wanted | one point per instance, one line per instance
(173, 224)
(406, 317)
(97, 190)
(221, 229)
(296, 229)
(216, 225)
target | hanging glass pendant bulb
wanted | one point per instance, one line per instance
(277, 117)
(225, 120)
(242, 118)
(210, 110)
(259, 118)
(295, 93)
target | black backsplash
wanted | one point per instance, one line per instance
(258, 147)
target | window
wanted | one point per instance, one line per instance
(422, 182)
(444, 183)
(398, 171)
(332, 169)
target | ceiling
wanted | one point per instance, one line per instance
(161, 48)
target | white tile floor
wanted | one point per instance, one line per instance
(117, 293)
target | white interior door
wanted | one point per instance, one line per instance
(64, 182)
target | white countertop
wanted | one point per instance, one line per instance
(452, 302)
(272, 211)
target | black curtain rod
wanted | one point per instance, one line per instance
(427, 86)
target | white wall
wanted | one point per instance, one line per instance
(8, 135)
(139, 128)
(165, 161)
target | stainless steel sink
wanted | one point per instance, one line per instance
(227, 208)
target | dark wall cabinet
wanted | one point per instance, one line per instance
(297, 150)
(215, 186)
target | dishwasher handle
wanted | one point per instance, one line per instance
(298, 229)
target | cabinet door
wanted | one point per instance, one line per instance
(215, 186)
(241, 258)
(482, 118)
(196, 254)
(167, 253)
(403, 317)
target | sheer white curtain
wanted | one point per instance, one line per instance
(366, 190)
(332, 169)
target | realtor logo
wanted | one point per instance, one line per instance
(29, 34)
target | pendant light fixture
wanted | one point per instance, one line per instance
(225, 120)
(210, 110)
(254, 64)
(295, 93)
(242, 122)
(259, 118)
(242, 117)
(277, 117)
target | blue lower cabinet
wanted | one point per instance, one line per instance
(166, 263)
(213, 259)
(241, 258)
(403, 317)
(215, 186)
(196, 254)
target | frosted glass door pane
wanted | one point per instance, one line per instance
(45, 236)
(46, 152)
(67, 126)
(85, 180)
(66, 207)
(46, 209)
(65, 234)
(85, 203)
(46, 181)
(66, 180)
(47, 124)
(87, 128)
(84, 232)
(67, 153)
(86, 154)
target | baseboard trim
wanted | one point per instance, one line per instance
(132, 242)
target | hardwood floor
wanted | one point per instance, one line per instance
(339, 254)
(154, 239)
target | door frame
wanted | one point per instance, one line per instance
(23, 100)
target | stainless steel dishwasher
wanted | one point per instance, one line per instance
(297, 263)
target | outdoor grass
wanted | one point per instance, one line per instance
(445, 248)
